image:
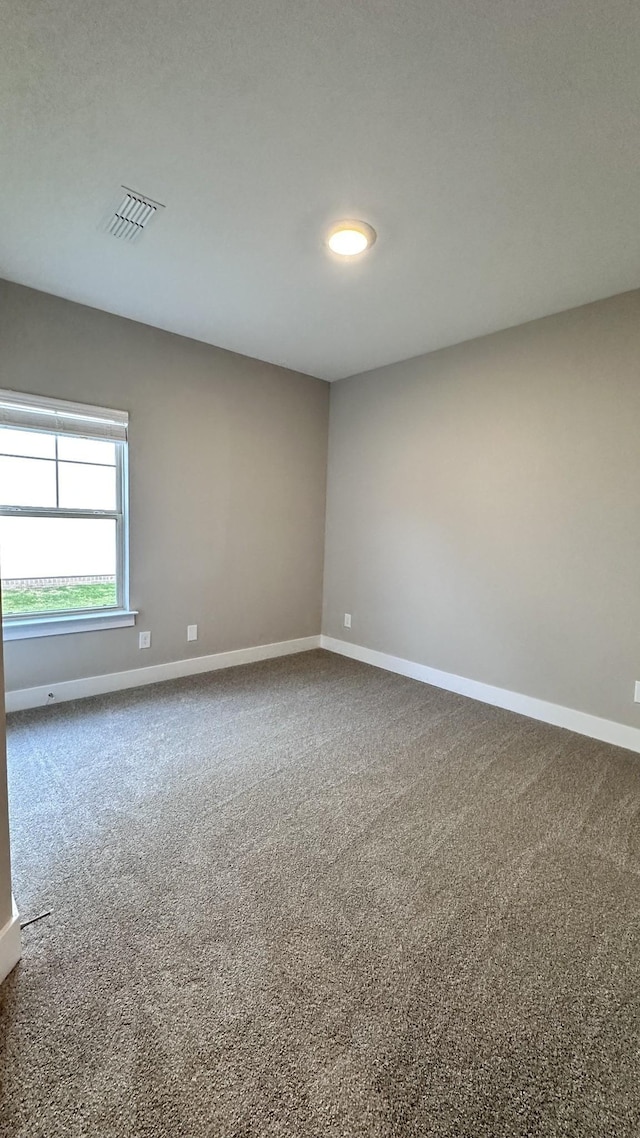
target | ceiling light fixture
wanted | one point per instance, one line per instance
(349, 238)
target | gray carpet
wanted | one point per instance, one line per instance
(309, 898)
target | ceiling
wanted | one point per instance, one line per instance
(493, 144)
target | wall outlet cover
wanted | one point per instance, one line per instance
(144, 640)
(192, 632)
(347, 620)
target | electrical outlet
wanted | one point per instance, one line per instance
(347, 620)
(144, 640)
(637, 692)
(192, 632)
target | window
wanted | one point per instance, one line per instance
(63, 516)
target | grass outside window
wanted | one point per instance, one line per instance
(58, 598)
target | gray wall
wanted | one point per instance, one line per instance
(5, 857)
(483, 513)
(484, 509)
(227, 471)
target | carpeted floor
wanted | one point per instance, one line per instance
(310, 898)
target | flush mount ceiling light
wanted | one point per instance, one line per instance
(350, 238)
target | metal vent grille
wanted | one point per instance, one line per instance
(132, 216)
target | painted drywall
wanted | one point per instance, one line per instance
(5, 856)
(227, 484)
(483, 512)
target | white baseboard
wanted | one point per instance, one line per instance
(138, 677)
(606, 730)
(10, 947)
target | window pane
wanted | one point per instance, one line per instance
(31, 443)
(27, 482)
(84, 487)
(86, 450)
(57, 564)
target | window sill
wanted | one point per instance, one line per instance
(61, 624)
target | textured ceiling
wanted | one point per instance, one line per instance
(492, 143)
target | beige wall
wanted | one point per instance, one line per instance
(484, 509)
(5, 860)
(483, 513)
(227, 472)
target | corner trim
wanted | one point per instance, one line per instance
(10, 947)
(137, 677)
(606, 730)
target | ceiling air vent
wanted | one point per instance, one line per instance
(132, 215)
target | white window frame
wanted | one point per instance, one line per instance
(60, 417)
